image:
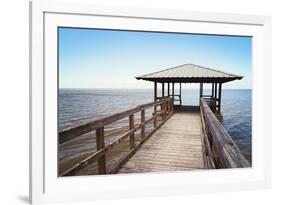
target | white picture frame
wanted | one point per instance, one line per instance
(46, 187)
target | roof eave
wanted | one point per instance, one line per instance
(191, 80)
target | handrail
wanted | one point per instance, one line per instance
(70, 133)
(65, 135)
(220, 147)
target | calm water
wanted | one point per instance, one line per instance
(82, 105)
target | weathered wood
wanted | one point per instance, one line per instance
(95, 155)
(122, 138)
(168, 89)
(100, 145)
(99, 127)
(155, 91)
(213, 90)
(219, 105)
(73, 132)
(225, 152)
(132, 126)
(180, 95)
(175, 147)
(216, 94)
(70, 133)
(173, 107)
(162, 111)
(209, 162)
(73, 170)
(212, 150)
(163, 90)
(125, 158)
(143, 123)
(122, 161)
(200, 92)
(155, 117)
(173, 92)
(149, 119)
(216, 90)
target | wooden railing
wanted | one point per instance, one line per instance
(165, 112)
(219, 149)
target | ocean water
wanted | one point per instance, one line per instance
(77, 106)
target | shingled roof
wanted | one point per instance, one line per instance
(189, 73)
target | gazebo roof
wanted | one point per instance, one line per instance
(190, 73)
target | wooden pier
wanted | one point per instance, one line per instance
(180, 138)
(176, 146)
(178, 141)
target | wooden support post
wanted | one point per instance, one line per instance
(212, 90)
(173, 91)
(216, 95)
(155, 91)
(132, 126)
(168, 89)
(100, 145)
(201, 92)
(163, 90)
(216, 91)
(219, 105)
(213, 99)
(180, 95)
(143, 123)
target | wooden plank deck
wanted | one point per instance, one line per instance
(176, 146)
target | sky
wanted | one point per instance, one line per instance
(92, 58)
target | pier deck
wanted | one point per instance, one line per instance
(176, 146)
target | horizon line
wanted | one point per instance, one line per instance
(159, 88)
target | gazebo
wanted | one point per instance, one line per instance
(190, 73)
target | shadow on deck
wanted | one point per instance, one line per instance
(186, 108)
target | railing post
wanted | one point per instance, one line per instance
(132, 126)
(162, 111)
(100, 145)
(155, 117)
(143, 123)
(172, 104)
(170, 107)
(167, 108)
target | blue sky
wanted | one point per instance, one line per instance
(90, 58)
